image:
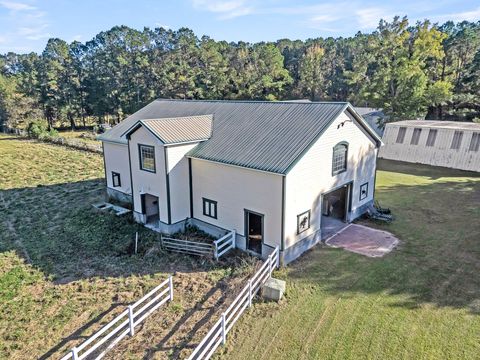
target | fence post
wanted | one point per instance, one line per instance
(74, 353)
(234, 234)
(170, 284)
(215, 251)
(224, 330)
(249, 293)
(270, 265)
(131, 320)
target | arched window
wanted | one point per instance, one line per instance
(339, 159)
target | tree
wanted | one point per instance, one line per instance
(311, 75)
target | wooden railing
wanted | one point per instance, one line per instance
(218, 333)
(123, 325)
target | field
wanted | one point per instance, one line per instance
(86, 137)
(65, 268)
(422, 301)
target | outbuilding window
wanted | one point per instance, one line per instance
(415, 136)
(457, 140)
(339, 158)
(401, 134)
(147, 157)
(474, 142)
(116, 179)
(432, 136)
(210, 208)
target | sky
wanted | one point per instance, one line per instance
(26, 25)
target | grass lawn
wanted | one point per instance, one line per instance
(65, 268)
(422, 301)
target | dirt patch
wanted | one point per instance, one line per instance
(364, 240)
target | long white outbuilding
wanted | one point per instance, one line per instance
(449, 144)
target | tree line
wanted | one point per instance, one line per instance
(408, 70)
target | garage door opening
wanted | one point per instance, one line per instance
(335, 208)
(150, 209)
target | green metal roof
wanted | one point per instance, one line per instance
(262, 135)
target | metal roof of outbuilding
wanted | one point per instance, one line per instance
(262, 135)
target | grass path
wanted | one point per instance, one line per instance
(422, 301)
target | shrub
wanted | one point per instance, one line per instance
(38, 129)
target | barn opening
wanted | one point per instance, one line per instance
(150, 209)
(254, 231)
(335, 208)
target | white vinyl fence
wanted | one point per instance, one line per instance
(124, 324)
(216, 249)
(218, 333)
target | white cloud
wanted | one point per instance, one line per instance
(166, 27)
(471, 15)
(226, 9)
(369, 18)
(16, 6)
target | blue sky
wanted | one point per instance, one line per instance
(25, 25)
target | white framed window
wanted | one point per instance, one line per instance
(432, 136)
(339, 158)
(474, 142)
(401, 134)
(415, 136)
(457, 140)
(209, 208)
(147, 157)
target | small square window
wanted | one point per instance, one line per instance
(363, 191)
(147, 157)
(401, 134)
(116, 179)
(457, 140)
(210, 208)
(303, 222)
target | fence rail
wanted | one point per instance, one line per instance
(218, 333)
(224, 244)
(124, 324)
(216, 249)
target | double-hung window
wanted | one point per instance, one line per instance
(147, 157)
(339, 158)
(210, 208)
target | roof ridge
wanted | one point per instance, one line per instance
(290, 102)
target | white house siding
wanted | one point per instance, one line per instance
(148, 182)
(116, 160)
(179, 181)
(440, 154)
(312, 176)
(236, 189)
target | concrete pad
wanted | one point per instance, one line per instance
(273, 289)
(363, 240)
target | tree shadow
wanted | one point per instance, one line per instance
(431, 172)
(56, 229)
(437, 262)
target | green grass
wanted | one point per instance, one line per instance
(422, 301)
(65, 268)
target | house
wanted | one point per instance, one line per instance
(279, 173)
(440, 143)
